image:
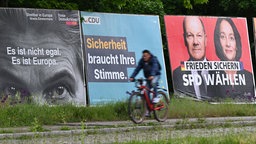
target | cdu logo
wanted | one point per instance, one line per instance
(91, 20)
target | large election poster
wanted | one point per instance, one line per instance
(113, 47)
(41, 57)
(210, 58)
(254, 32)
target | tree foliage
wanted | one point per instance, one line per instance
(245, 8)
(46, 4)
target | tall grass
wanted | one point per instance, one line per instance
(24, 115)
(184, 108)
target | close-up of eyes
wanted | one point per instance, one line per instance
(14, 94)
(191, 36)
(224, 37)
(57, 94)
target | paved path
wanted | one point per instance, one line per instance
(123, 131)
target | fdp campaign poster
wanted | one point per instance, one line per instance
(41, 57)
(113, 48)
(210, 57)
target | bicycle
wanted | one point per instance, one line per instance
(139, 102)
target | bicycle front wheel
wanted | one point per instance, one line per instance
(137, 107)
(162, 107)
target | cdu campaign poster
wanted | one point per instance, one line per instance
(41, 57)
(113, 45)
(210, 58)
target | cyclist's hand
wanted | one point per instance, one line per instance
(151, 78)
(131, 79)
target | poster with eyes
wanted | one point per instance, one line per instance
(113, 48)
(41, 57)
(210, 58)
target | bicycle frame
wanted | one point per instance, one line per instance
(143, 90)
(137, 104)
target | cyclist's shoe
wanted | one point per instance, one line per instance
(156, 100)
(148, 114)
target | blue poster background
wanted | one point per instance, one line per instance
(139, 32)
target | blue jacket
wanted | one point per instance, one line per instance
(150, 68)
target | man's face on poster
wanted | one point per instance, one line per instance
(195, 38)
(227, 40)
(60, 83)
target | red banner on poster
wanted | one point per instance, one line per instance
(210, 57)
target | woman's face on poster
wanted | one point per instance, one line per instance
(227, 40)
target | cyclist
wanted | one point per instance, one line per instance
(151, 68)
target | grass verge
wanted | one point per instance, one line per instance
(247, 138)
(25, 115)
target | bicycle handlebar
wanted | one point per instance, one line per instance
(140, 82)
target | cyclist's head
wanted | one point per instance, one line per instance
(146, 55)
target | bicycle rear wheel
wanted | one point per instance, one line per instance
(162, 107)
(137, 107)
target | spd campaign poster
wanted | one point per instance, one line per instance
(113, 48)
(41, 57)
(210, 58)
